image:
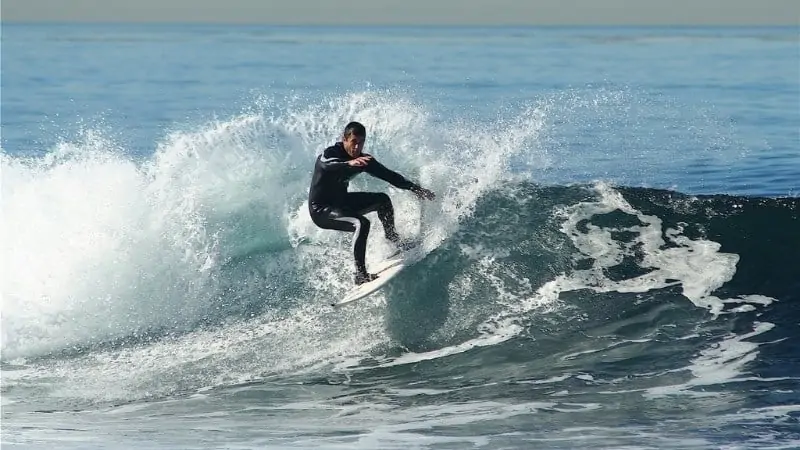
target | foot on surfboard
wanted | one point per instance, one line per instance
(404, 246)
(362, 278)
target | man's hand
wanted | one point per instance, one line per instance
(423, 193)
(361, 161)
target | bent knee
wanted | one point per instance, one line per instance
(363, 224)
(382, 200)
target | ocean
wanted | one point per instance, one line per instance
(611, 260)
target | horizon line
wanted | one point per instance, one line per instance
(400, 24)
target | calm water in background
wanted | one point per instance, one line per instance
(166, 289)
(728, 95)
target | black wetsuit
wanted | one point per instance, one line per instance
(332, 207)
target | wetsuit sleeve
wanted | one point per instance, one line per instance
(378, 170)
(329, 161)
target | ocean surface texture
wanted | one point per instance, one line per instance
(612, 259)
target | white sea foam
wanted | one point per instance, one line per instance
(102, 246)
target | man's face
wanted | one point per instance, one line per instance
(353, 145)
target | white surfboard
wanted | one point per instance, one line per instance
(363, 290)
(385, 271)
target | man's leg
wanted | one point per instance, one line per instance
(346, 220)
(366, 202)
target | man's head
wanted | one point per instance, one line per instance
(353, 138)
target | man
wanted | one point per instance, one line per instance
(332, 207)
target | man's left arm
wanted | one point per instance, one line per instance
(378, 170)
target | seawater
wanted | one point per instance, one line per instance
(610, 260)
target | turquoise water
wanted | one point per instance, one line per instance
(610, 258)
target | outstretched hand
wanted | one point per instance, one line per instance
(361, 161)
(422, 193)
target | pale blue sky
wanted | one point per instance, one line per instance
(377, 12)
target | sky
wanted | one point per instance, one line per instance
(411, 12)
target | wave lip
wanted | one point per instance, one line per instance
(103, 247)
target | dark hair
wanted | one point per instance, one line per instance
(355, 128)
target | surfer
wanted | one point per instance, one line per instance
(332, 207)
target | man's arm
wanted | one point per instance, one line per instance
(378, 170)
